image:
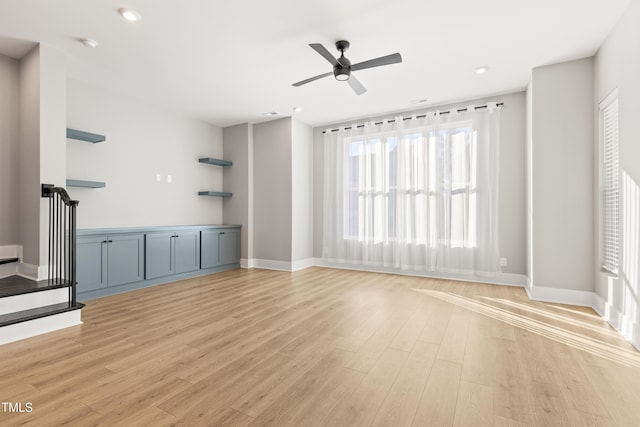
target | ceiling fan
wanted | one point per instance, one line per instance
(342, 67)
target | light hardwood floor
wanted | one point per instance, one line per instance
(325, 347)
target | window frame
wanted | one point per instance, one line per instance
(605, 267)
(427, 133)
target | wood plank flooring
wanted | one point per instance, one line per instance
(324, 347)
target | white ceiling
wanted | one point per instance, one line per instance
(228, 62)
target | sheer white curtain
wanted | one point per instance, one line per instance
(419, 194)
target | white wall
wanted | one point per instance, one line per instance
(9, 134)
(561, 179)
(53, 118)
(512, 177)
(272, 186)
(301, 191)
(142, 141)
(529, 172)
(617, 66)
(238, 179)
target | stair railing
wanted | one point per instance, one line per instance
(62, 238)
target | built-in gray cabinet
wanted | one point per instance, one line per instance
(168, 253)
(220, 247)
(115, 260)
(109, 260)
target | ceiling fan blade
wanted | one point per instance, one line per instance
(394, 58)
(356, 85)
(325, 53)
(304, 82)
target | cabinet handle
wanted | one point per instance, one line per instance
(222, 232)
(109, 241)
(105, 241)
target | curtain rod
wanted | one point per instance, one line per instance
(420, 116)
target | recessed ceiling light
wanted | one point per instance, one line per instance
(129, 14)
(270, 113)
(89, 42)
(297, 109)
(482, 70)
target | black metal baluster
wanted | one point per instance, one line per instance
(50, 241)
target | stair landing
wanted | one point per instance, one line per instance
(29, 308)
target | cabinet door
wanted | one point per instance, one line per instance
(91, 262)
(229, 247)
(158, 255)
(186, 245)
(126, 259)
(210, 252)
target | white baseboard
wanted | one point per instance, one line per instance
(628, 327)
(29, 271)
(42, 325)
(561, 296)
(7, 270)
(301, 264)
(269, 264)
(11, 251)
(33, 300)
(507, 279)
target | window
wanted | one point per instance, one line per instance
(610, 182)
(418, 187)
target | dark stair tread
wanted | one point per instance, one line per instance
(9, 260)
(36, 313)
(16, 285)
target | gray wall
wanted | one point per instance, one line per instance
(272, 190)
(301, 191)
(9, 134)
(29, 157)
(562, 175)
(512, 177)
(238, 179)
(617, 65)
(142, 142)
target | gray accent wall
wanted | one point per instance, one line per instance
(142, 141)
(9, 146)
(617, 66)
(29, 158)
(272, 190)
(512, 176)
(238, 179)
(301, 191)
(562, 176)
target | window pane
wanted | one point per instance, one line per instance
(459, 163)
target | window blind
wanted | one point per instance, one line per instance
(610, 198)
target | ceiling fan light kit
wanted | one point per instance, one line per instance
(342, 68)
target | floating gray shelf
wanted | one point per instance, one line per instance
(86, 184)
(85, 136)
(214, 193)
(216, 162)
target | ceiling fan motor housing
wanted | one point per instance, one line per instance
(342, 71)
